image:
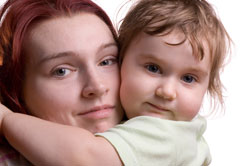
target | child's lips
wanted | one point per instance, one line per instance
(160, 111)
(158, 107)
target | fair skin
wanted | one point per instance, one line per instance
(71, 78)
(163, 79)
(160, 81)
(72, 75)
(4, 111)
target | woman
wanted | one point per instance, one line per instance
(59, 64)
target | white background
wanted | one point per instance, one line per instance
(227, 135)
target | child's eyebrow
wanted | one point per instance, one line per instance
(199, 71)
(149, 56)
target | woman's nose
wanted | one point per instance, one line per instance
(166, 90)
(94, 87)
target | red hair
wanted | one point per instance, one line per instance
(16, 18)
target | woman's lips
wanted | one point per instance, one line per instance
(98, 112)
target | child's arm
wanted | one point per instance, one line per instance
(47, 143)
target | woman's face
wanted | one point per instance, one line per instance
(71, 74)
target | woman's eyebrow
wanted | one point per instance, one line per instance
(106, 45)
(71, 53)
(56, 56)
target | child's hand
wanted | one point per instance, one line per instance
(3, 112)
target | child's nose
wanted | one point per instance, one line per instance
(166, 90)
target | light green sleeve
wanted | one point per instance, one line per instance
(147, 141)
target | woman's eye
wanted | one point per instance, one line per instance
(107, 62)
(61, 72)
(153, 68)
(188, 79)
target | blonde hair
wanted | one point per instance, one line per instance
(195, 18)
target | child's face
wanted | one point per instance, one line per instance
(161, 80)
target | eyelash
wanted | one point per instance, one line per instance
(66, 71)
(156, 67)
(113, 60)
(147, 66)
(193, 78)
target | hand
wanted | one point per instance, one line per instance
(3, 112)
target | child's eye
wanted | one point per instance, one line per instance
(61, 72)
(107, 62)
(153, 68)
(188, 79)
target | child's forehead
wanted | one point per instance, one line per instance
(156, 49)
(174, 39)
(199, 39)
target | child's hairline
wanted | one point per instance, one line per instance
(216, 86)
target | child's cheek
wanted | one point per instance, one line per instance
(189, 107)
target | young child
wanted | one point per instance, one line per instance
(172, 54)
